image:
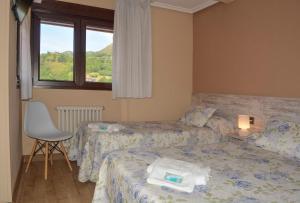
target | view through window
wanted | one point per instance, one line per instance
(57, 55)
(98, 55)
(56, 52)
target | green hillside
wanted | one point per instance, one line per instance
(59, 66)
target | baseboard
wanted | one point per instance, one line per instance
(18, 180)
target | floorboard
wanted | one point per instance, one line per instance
(62, 185)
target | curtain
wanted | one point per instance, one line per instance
(25, 58)
(132, 51)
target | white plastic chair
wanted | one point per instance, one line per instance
(39, 126)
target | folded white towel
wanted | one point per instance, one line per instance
(105, 127)
(177, 174)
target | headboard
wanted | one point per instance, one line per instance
(261, 108)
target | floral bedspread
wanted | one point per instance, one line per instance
(90, 148)
(240, 173)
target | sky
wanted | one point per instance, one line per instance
(59, 39)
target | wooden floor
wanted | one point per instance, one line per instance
(62, 185)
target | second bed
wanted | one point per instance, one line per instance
(89, 147)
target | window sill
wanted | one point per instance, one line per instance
(87, 86)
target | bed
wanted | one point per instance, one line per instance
(241, 172)
(197, 126)
(89, 148)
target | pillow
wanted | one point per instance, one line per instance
(220, 125)
(281, 137)
(197, 116)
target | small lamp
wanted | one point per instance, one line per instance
(244, 122)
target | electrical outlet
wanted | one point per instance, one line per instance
(252, 120)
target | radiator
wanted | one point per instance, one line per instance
(70, 117)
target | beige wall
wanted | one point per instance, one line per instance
(14, 105)
(10, 138)
(5, 173)
(248, 47)
(172, 75)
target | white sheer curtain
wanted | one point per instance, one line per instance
(25, 58)
(132, 51)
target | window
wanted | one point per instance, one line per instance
(56, 52)
(72, 46)
(98, 55)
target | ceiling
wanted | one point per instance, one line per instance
(187, 6)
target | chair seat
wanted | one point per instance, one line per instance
(53, 137)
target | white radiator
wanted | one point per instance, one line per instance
(70, 117)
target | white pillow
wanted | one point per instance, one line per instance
(197, 116)
(282, 137)
(220, 125)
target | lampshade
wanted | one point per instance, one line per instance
(244, 122)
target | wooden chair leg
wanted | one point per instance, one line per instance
(31, 155)
(51, 159)
(46, 160)
(65, 155)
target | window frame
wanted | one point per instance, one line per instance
(81, 16)
(102, 26)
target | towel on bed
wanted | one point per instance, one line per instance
(105, 127)
(176, 174)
